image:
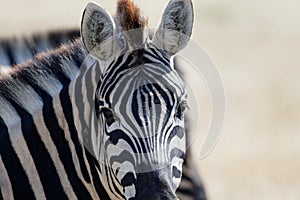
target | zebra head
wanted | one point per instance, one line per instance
(140, 98)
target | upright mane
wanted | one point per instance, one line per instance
(128, 15)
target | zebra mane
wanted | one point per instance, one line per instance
(43, 70)
(128, 15)
(49, 59)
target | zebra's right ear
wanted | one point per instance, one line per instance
(176, 27)
(97, 32)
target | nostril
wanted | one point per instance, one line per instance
(128, 179)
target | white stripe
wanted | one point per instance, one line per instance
(58, 110)
(130, 191)
(63, 124)
(118, 99)
(31, 102)
(90, 186)
(47, 82)
(51, 148)
(170, 78)
(69, 68)
(12, 121)
(124, 168)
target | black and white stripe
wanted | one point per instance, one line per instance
(146, 127)
(190, 186)
(48, 132)
(38, 134)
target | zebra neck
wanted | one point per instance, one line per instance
(66, 76)
(40, 111)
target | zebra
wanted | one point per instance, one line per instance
(37, 116)
(17, 50)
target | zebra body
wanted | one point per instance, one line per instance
(48, 144)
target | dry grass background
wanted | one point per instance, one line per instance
(256, 46)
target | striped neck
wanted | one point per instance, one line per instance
(39, 104)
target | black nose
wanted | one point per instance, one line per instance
(156, 185)
(156, 194)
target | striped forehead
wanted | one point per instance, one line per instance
(144, 98)
(137, 68)
(147, 79)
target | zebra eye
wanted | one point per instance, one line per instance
(108, 115)
(181, 108)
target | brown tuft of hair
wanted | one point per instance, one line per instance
(129, 15)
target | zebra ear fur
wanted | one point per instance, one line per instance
(97, 31)
(176, 27)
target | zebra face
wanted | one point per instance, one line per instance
(141, 111)
(140, 99)
(142, 115)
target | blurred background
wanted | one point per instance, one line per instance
(256, 47)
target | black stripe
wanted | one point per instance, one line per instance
(163, 59)
(68, 112)
(67, 108)
(157, 90)
(128, 179)
(117, 135)
(158, 102)
(135, 108)
(177, 131)
(164, 95)
(147, 60)
(108, 76)
(123, 157)
(19, 181)
(108, 170)
(113, 76)
(175, 152)
(41, 157)
(116, 189)
(176, 172)
(94, 165)
(1, 196)
(58, 136)
(80, 105)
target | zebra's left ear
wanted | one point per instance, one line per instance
(98, 32)
(176, 27)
